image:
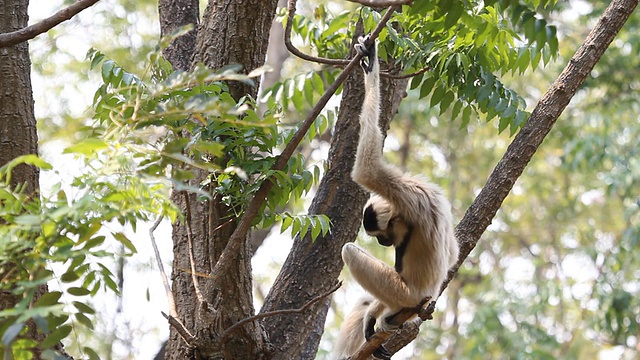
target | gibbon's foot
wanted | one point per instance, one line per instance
(367, 49)
(386, 323)
(382, 353)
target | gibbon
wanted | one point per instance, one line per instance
(404, 211)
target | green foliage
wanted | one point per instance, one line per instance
(300, 225)
(464, 45)
(70, 231)
(149, 133)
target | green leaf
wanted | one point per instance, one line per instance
(107, 68)
(296, 226)
(78, 291)
(124, 240)
(437, 95)
(456, 109)
(92, 354)
(11, 333)
(315, 230)
(447, 99)
(415, 82)
(86, 147)
(286, 223)
(453, 14)
(84, 320)
(84, 308)
(69, 276)
(56, 336)
(427, 86)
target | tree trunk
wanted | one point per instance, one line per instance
(18, 134)
(18, 124)
(231, 32)
(312, 267)
(175, 14)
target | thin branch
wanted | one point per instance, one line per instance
(381, 3)
(405, 76)
(180, 328)
(192, 261)
(167, 288)
(304, 308)
(340, 62)
(28, 33)
(240, 234)
(300, 54)
(529, 138)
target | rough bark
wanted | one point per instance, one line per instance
(17, 122)
(235, 32)
(175, 14)
(231, 32)
(312, 267)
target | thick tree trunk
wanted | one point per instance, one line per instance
(231, 32)
(312, 267)
(175, 14)
(17, 121)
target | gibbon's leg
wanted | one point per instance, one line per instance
(379, 279)
(351, 336)
(373, 313)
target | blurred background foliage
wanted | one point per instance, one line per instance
(555, 276)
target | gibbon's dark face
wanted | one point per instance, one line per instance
(375, 225)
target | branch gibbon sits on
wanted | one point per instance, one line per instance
(404, 211)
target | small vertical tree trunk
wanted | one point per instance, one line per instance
(18, 134)
(231, 32)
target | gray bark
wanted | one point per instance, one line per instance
(231, 32)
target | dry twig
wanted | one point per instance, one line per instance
(31, 31)
(304, 307)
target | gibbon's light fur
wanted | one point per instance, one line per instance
(405, 211)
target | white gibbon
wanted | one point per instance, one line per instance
(405, 211)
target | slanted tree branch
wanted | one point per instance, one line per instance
(381, 3)
(526, 142)
(31, 31)
(239, 235)
(406, 76)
